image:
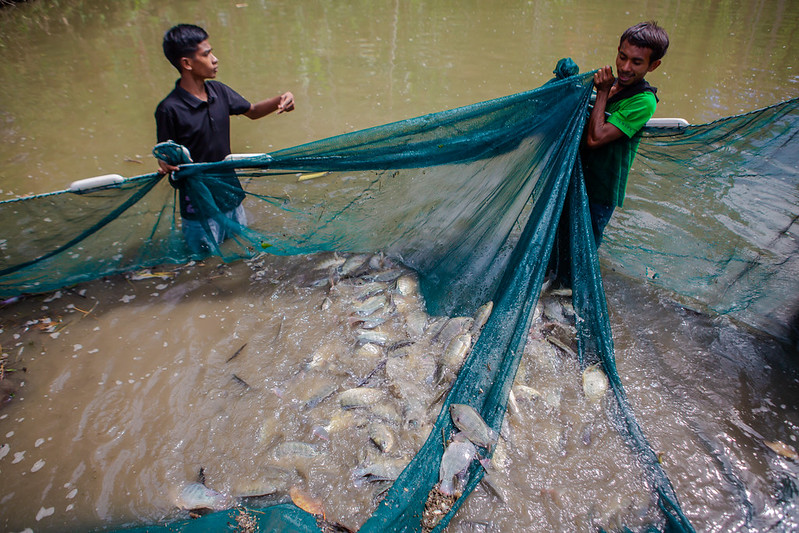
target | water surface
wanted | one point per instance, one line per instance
(126, 393)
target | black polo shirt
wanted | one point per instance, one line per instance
(204, 128)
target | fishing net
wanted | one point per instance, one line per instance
(475, 200)
(711, 214)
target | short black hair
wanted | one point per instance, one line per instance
(647, 35)
(181, 41)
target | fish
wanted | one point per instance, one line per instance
(366, 336)
(360, 397)
(320, 393)
(525, 393)
(323, 355)
(554, 311)
(382, 469)
(560, 344)
(195, 496)
(382, 437)
(352, 264)
(513, 407)
(367, 322)
(240, 381)
(435, 325)
(331, 262)
(407, 285)
(481, 316)
(456, 351)
(489, 480)
(295, 449)
(386, 411)
(236, 353)
(381, 365)
(454, 463)
(454, 327)
(565, 292)
(415, 322)
(385, 275)
(378, 261)
(343, 421)
(370, 305)
(259, 488)
(368, 350)
(469, 421)
(372, 288)
(595, 382)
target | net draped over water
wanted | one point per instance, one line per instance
(475, 199)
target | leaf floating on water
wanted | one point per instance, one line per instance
(786, 450)
(148, 274)
(306, 502)
(314, 175)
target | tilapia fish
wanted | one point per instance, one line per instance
(455, 461)
(595, 382)
(197, 496)
(469, 421)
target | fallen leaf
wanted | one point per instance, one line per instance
(783, 449)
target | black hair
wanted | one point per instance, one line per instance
(181, 41)
(647, 35)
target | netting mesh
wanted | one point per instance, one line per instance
(712, 215)
(472, 199)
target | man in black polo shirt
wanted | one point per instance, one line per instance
(196, 114)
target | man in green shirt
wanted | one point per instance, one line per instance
(623, 106)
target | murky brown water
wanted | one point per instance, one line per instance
(128, 391)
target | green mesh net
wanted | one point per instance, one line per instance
(475, 199)
(712, 215)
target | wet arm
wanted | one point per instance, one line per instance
(282, 104)
(599, 131)
(164, 132)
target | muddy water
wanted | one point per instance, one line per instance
(270, 380)
(127, 390)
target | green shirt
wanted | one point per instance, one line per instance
(606, 168)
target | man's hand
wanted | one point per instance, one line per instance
(282, 104)
(599, 132)
(286, 103)
(166, 168)
(604, 79)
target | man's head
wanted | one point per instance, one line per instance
(641, 48)
(186, 47)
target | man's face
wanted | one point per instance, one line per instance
(204, 63)
(632, 63)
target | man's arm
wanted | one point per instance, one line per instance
(164, 132)
(282, 104)
(599, 131)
